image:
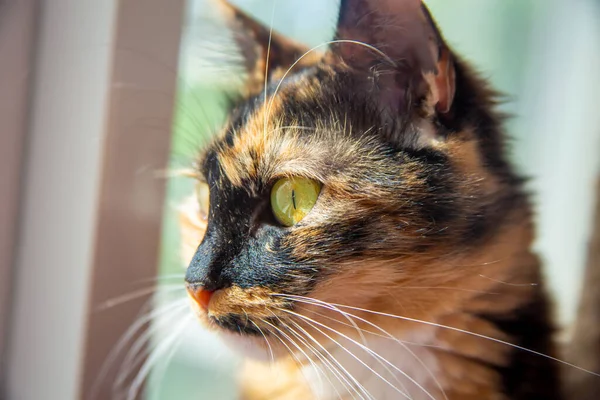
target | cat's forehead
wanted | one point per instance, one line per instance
(281, 134)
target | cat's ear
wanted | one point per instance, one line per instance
(260, 45)
(397, 54)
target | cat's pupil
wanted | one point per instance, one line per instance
(294, 199)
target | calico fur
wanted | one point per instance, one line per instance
(420, 216)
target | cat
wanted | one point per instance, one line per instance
(358, 230)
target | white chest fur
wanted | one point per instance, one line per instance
(381, 368)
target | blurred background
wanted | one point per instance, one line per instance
(99, 100)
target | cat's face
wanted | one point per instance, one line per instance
(353, 175)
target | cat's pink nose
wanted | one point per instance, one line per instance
(200, 296)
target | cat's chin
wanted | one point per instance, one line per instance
(248, 346)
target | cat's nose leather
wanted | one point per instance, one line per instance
(200, 296)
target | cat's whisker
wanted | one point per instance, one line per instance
(137, 294)
(266, 341)
(470, 333)
(448, 288)
(281, 332)
(351, 323)
(134, 357)
(336, 373)
(166, 361)
(509, 283)
(314, 324)
(327, 317)
(137, 352)
(332, 368)
(389, 335)
(360, 332)
(308, 358)
(274, 333)
(266, 78)
(293, 343)
(126, 338)
(355, 326)
(156, 355)
(339, 367)
(338, 344)
(457, 330)
(375, 334)
(278, 337)
(356, 42)
(326, 363)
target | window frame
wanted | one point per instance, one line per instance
(98, 134)
(17, 31)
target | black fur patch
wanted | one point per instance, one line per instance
(234, 248)
(529, 376)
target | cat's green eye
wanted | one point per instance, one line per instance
(203, 196)
(293, 198)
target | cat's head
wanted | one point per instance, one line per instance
(352, 176)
